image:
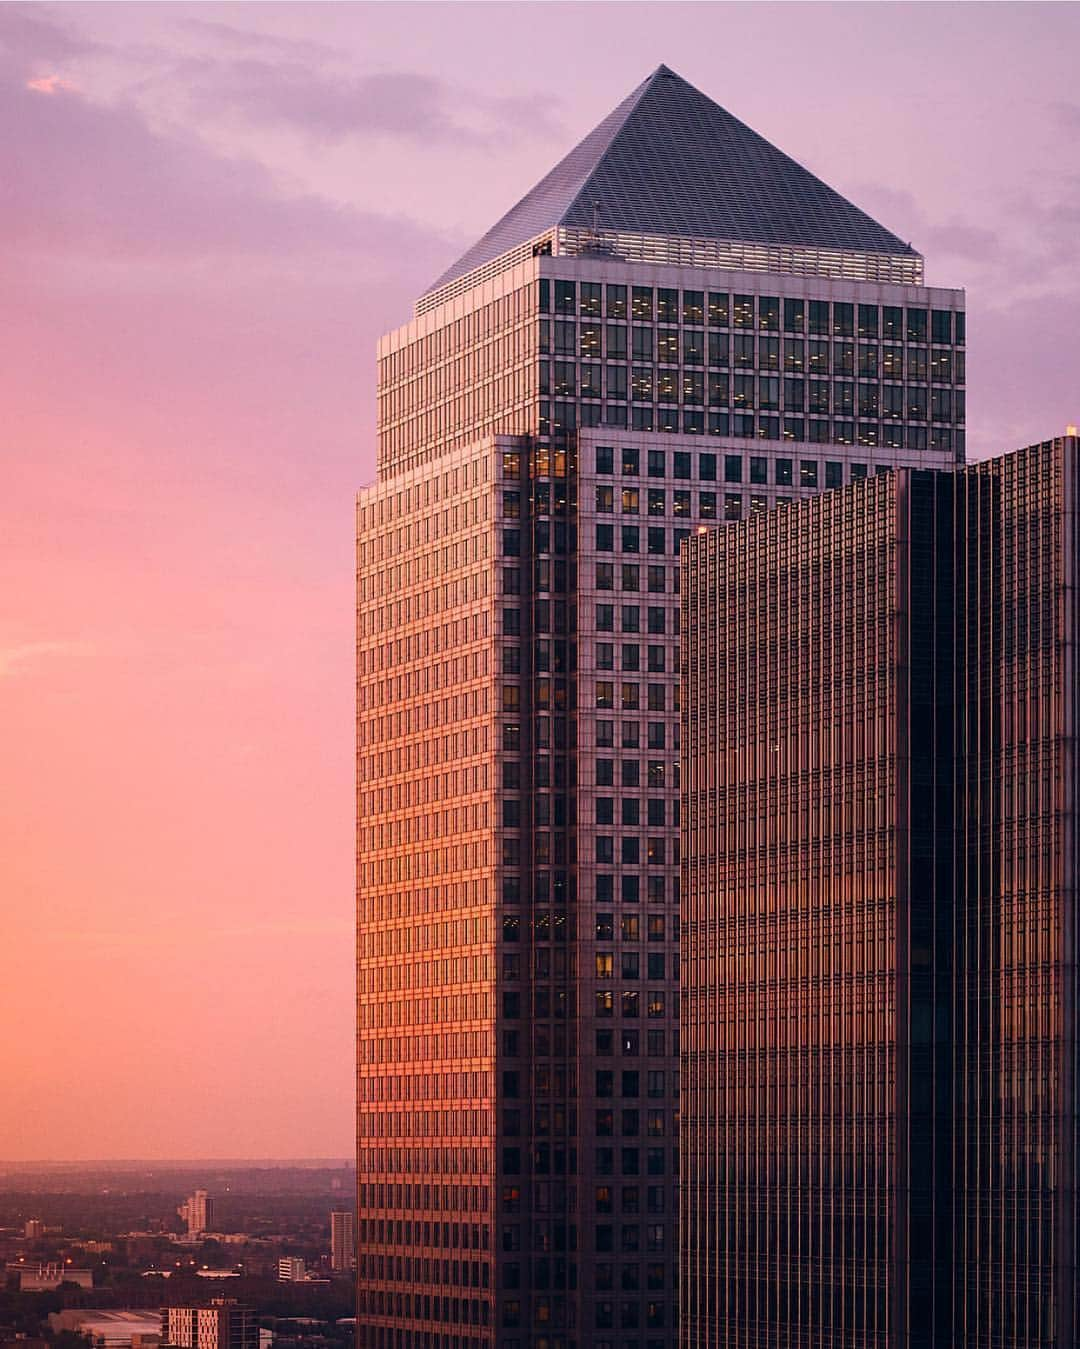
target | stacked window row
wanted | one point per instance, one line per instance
(791, 357)
(850, 374)
(733, 468)
(633, 1126)
(558, 418)
(765, 313)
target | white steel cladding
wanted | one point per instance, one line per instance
(549, 431)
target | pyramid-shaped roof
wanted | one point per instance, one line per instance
(669, 161)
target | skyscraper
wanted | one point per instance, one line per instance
(677, 325)
(342, 1239)
(197, 1211)
(880, 942)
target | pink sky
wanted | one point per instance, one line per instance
(207, 216)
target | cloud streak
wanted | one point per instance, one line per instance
(14, 659)
(26, 39)
(218, 34)
(325, 104)
(85, 179)
(49, 84)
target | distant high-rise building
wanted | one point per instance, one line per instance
(222, 1324)
(342, 1239)
(198, 1212)
(677, 326)
(879, 1110)
(33, 1229)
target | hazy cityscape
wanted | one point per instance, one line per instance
(705, 748)
(95, 1252)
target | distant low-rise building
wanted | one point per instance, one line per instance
(109, 1329)
(291, 1269)
(34, 1229)
(44, 1277)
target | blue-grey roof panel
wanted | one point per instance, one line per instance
(547, 203)
(670, 161)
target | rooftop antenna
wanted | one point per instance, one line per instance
(594, 241)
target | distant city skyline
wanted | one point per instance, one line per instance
(189, 407)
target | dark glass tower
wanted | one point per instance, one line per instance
(678, 325)
(879, 942)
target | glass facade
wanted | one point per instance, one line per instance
(552, 426)
(879, 1113)
(519, 881)
(429, 736)
(557, 354)
(449, 383)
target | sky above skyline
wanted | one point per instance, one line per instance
(208, 214)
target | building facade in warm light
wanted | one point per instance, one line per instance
(197, 1211)
(221, 1324)
(291, 1269)
(678, 326)
(879, 940)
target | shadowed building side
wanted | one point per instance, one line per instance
(880, 951)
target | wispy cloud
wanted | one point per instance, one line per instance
(1067, 114)
(227, 35)
(14, 658)
(94, 180)
(49, 84)
(269, 80)
(1029, 252)
(327, 104)
(958, 239)
(28, 38)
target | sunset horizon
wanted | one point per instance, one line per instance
(539, 674)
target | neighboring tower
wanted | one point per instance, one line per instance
(198, 1212)
(879, 1111)
(222, 1324)
(342, 1240)
(677, 326)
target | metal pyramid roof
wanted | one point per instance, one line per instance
(670, 161)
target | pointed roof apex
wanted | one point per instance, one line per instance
(669, 161)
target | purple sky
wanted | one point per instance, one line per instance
(208, 215)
